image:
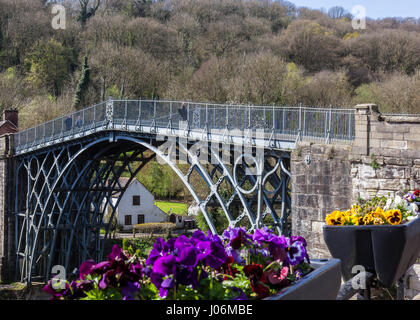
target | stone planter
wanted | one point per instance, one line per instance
(389, 251)
(321, 284)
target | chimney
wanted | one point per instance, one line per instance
(12, 116)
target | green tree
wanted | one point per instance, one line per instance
(48, 66)
(82, 85)
(218, 218)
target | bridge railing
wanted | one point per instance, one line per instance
(288, 123)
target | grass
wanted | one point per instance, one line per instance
(173, 207)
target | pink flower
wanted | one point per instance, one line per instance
(277, 277)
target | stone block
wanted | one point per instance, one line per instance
(359, 150)
(413, 145)
(394, 144)
(310, 201)
(317, 226)
(386, 152)
(404, 161)
(391, 172)
(389, 184)
(391, 128)
(415, 128)
(412, 136)
(367, 172)
(381, 135)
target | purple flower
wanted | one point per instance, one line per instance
(128, 292)
(199, 235)
(166, 285)
(160, 248)
(165, 265)
(296, 253)
(116, 254)
(236, 255)
(85, 268)
(100, 267)
(263, 235)
(212, 253)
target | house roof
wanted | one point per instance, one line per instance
(7, 127)
(123, 182)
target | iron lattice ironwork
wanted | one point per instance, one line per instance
(64, 184)
(63, 194)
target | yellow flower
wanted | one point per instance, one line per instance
(357, 220)
(379, 213)
(368, 219)
(393, 216)
(378, 220)
(355, 209)
(335, 218)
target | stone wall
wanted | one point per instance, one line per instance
(383, 159)
(6, 221)
(386, 153)
(318, 188)
(412, 283)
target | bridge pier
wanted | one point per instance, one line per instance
(7, 219)
(383, 159)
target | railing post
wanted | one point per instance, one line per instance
(94, 117)
(188, 120)
(283, 122)
(299, 137)
(170, 115)
(207, 114)
(249, 116)
(274, 118)
(227, 117)
(125, 115)
(140, 114)
(328, 140)
(154, 115)
(43, 135)
(83, 120)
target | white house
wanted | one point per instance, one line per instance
(137, 206)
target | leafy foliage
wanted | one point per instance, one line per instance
(208, 50)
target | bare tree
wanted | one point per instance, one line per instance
(337, 12)
(86, 11)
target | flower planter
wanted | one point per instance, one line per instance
(389, 251)
(321, 284)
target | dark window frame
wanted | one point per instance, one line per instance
(135, 202)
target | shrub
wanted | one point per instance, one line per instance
(153, 228)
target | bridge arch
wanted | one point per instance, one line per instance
(67, 188)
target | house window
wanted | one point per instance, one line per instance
(136, 200)
(128, 221)
(140, 219)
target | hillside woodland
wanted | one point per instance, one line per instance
(259, 52)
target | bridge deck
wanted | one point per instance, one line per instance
(266, 126)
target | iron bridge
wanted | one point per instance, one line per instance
(67, 170)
